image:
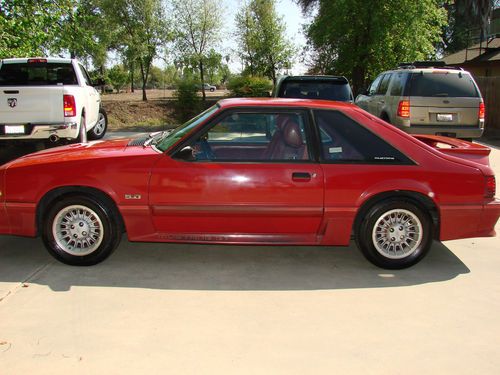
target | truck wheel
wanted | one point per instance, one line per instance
(395, 234)
(80, 230)
(98, 131)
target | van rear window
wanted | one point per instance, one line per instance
(442, 84)
(37, 74)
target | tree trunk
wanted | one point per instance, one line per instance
(132, 67)
(202, 77)
(144, 81)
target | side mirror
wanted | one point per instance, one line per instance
(186, 154)
(98, 82)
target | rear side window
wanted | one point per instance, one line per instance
(37, 74)
(343, 140)
(384, 84)
(397, 85)
(328, 90)
(442, 84)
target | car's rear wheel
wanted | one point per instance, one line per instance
(99, 130)
(395, 234)
(81, 230)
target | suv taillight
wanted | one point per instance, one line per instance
(69, 106)
(490, 187)
(404, 109)
(482, 111)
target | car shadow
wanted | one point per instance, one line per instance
(221, 268)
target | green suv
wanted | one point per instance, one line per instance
(427, 98)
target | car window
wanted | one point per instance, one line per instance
(86, 76)
(244, 136)
(326, 90)
(373, 87)
(384, 84)
(441, 83)
(37, 74)
(344, 140)
(397, 84)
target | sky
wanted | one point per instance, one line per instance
(293, 18)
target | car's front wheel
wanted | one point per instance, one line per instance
(99, 129)
(395, 234)
(81, 230)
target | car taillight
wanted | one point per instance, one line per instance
(490, 187)
(37, 61)
(69, 106)
(404, 108)
(482, 111)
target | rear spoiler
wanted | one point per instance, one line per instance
(457, 147)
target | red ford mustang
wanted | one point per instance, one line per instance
(256, 171)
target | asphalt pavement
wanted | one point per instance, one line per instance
(207, 309)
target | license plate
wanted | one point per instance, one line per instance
(14, 129)
(446, 117)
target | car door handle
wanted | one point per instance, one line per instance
(11, 91)
(301, 176)
(381, 102)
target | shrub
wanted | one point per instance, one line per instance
(249, 86)
(188, 103)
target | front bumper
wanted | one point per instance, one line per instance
(67, 130)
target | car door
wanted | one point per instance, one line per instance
(249, 178)
(377, 96)
(366, 101)
(94, 99)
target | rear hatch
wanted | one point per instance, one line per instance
(33, 92)
(443, 98)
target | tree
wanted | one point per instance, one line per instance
(28, 27)
(360, 41)
(197, 30)
(262, 44)
(142, 28)
(118, 77)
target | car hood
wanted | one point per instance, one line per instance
(83, 151)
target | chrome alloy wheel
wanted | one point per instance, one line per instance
(100, 126)
(397, 233)
(77, 230)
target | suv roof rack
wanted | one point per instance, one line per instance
(427, 64)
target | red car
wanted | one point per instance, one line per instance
(256, 171)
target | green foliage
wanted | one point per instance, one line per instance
(118, 77)
(262, 44)
(141, 30)
(244, 86)
(359, 41)
(188, 103)
(197, 31)
(28, 27)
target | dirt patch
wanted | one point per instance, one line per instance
(152, 115)
(127, 111)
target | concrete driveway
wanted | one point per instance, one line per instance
(186, 309)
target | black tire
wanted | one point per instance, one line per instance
(212, 90)
(100, 128)
(394, 234)
(81, 230)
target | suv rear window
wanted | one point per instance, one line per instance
(442, 84)
(328, 90)
(37, 74)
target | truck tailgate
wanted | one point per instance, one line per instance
(457, 147)
(32, 104)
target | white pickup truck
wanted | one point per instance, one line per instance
(48, 99)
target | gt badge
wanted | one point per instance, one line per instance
(12, 102)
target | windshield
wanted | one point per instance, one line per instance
(170, 138)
